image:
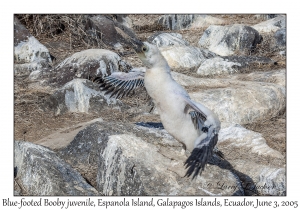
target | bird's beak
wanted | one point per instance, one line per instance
(137, 45)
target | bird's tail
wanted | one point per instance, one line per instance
(201, 154)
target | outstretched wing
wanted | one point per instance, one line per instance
(121, 84)
(207, 125)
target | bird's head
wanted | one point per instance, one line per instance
(150, 55)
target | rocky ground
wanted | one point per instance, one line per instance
(234, 64)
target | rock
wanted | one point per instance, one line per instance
(42, 173)
(125, 159)
(34, 75)
(250, 156)
(247, 103)
(267, 16)
(161, 39)
(21, 34)
(176, 22)
(64, 136)
(258, 175)
(29, 53)
(192, 21)
(229, 40)
(112, 33)
(217, 65)
(280, 37)
(124, 20)
(271, 25)
(204, 83)
(185, 56)
(187, 81)
(203, 21)
(275, 76)
(123, 172)
(230, 64)
(80, 95)
(274, 179)
(236, 136)
(88, 64)
(282, 53)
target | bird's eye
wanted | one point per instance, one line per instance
(145, 48)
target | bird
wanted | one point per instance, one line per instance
(191, 123)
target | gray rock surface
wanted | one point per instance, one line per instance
(231, 64)
(236, 136)
(167, 39)
(260, 175)
(176, 21)
(125, 159)
(64, 136)
(88, 64)
(80, 95)
(41, 172)
(275, 76)
(34, 75)
(113, 32)
(230, 40)
(204, 21)
(271, 25)
(267, 16)
(29, 53)
(247, 103)
(185, 56)
(203, 83)
(280, 37)
(124, 20)
(191, 21)
(217, 66)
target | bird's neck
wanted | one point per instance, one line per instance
(160, 71)
(162, 66)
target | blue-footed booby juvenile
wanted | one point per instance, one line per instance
(191, 123)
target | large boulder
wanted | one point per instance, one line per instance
(64, 136)
(191, 21)
(176, 21)
(231, 64)
(161, 39)
(89, 64)
(185, 56)
(267, 16)
(230, 40)
(113, 33)
(190, 82)
(271, 25)
(41, 172)
(275, 76)
(280, 37)
(29, 53)
(125, 159)
(80, 95)
(124, 20)
(251, 157)
(244, 103)
(204, 21)
(236, 136)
